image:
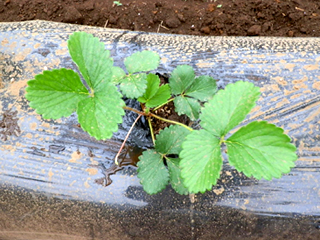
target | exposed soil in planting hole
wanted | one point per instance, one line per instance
(166, 111)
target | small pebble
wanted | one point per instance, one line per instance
(290, 33)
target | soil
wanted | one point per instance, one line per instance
(9, 124)
(291, 18)
(167, 111)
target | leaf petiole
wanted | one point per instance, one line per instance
(151, 131)
(170, 100)
(126, 138)
(134, 110)
(222, 140)
(156, 116)
(170, 121)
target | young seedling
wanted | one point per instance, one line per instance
(190, 160)
(118, 3)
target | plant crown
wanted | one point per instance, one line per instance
(190, 160)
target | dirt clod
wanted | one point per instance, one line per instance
(72, 15)
(211, 7)
(254, 30)
(205, 30)
(9, 124)
(173, 22)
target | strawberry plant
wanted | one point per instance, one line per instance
(189, 159)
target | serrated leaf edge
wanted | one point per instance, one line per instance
(287, 143)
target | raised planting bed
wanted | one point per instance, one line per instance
(47, 182)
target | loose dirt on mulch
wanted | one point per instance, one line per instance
(291, 18)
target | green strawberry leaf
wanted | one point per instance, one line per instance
(169, 140)
(100, 114)
(153, 82)
(133, 86)
(190, 90)
(201, 161)
(189, 106)
(117, 75)
(261, 150)
(91, 58)
(229, 107)
(142, 62)
(175, 176)
(56, 93)
(181, 78)
(155, 95)
(153, 174)
(202, 88)
(161, 96)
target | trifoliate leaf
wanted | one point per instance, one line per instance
(117, 75)
(151, 169)
(182, 83)
(201, 161)
(56, 93)
(142, 62)
(100, 114)
(202, 88)
(91, 57)
(133, 86)
(181, 78)
(161, 96)
(155, 95)
(153, 174)
(190, 90)
(175, 176)
(189, 106)
(261, 150)
(229, 107)
(169, 140)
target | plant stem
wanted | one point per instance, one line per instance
(170, 100)
(149, 122)
(151, 131)
(134, 110)
(126, 138)
(222, 140)
(171, 121)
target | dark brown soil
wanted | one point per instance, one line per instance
(166, 111)
(292, 18)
